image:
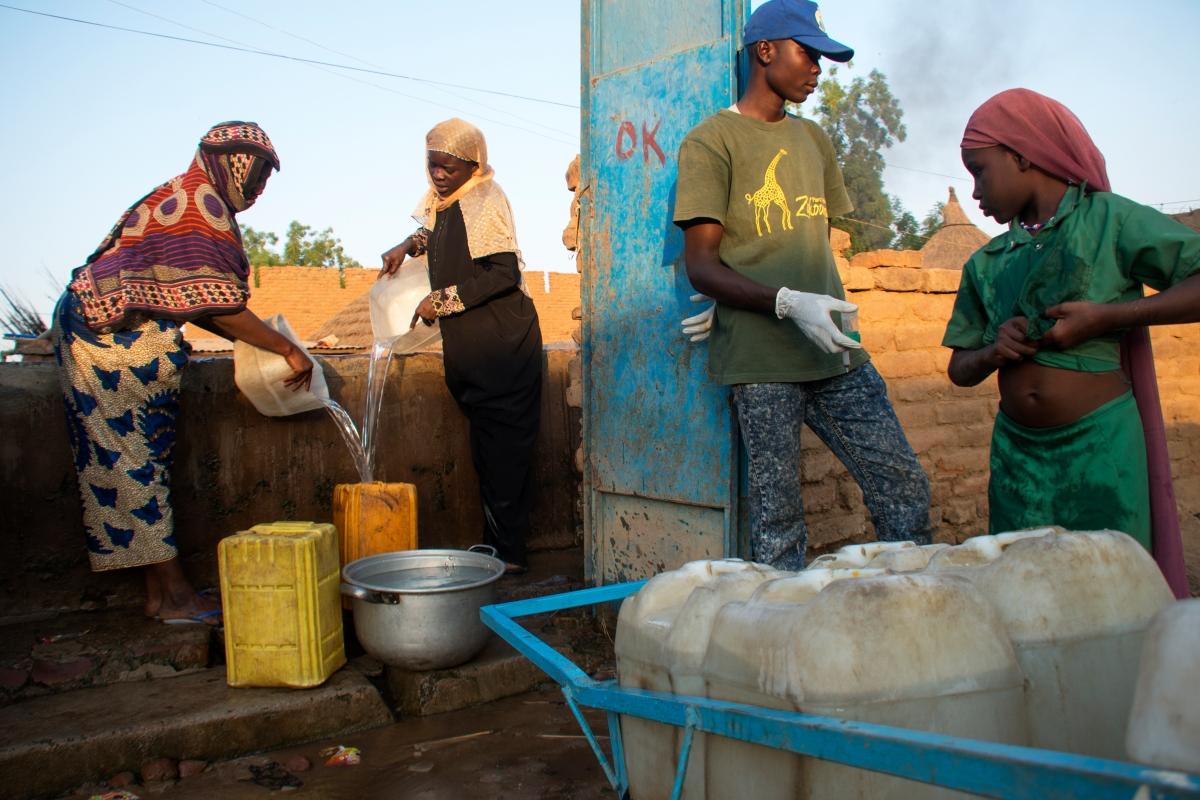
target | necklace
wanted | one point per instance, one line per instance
(1032, 227)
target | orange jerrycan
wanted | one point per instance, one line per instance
(375, 518)
(280, 590)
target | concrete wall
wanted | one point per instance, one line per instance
(235, 468)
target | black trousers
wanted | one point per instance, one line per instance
(502, 448)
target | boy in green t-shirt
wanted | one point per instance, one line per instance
(756, 190)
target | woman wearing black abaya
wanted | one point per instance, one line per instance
(492, 342)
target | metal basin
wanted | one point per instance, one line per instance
(419, 609)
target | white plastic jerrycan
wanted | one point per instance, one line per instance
(684, 652)
(857, 555)
(919, 651)
(643, 661)
(393, 300)
(1076, 606)
(909, 559)
(260, 375)
(1164, 727)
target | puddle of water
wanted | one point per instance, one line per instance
(526, 747)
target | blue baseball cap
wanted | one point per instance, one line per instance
(793, 19)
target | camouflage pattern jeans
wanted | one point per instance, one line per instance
(852, 415)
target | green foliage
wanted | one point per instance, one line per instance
(258, 246)
(303, 247)
(909, 234)
(863, 119)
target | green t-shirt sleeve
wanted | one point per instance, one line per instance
(1157, 250)
(968, 323)
(702, 186)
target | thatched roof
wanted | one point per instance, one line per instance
(350, 328)
(955, 241)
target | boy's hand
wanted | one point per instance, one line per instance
(1078, 321)
(1011, 344)
(698, 328)
(811, 313)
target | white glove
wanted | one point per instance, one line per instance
(699, 326)
(811, 313)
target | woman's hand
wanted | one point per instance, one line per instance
(302, 369)
(393, 258)
(425, 312)
(1077, 322)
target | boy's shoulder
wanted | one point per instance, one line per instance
(726, 123)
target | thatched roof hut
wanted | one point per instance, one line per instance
(955, 241)
(350, 328)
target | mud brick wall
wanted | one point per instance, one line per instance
(307, 296)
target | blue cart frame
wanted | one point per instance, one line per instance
(983, 768)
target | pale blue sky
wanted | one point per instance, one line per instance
(94, 118)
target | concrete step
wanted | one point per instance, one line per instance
(50, 744)
(80, 649)
(500, 671)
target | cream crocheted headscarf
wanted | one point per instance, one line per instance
(486, 212)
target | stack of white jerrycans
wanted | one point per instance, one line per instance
(1029, 638)
(394, 298)
(260, 375)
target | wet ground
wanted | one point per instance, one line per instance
(527, 747)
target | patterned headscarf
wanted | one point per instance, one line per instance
(177, 252)
(486, 212)
(1042, 130)
(237, 154)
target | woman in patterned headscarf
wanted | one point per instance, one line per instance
(175, 256)
(492, 342)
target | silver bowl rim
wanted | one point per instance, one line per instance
(352, 572)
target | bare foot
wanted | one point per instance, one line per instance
(192, 609)
(154, 593)
(169, 595)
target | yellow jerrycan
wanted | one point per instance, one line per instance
(280, 589)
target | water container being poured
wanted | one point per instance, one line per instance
(260, 375)
(394, 298)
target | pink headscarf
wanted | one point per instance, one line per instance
(1041, 129)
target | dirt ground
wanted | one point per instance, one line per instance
(527, 747)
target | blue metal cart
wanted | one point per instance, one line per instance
(982, 768)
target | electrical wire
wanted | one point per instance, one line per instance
(250, 48)
(284, 56)
(927, 172)
(315, 43)
(241, 47)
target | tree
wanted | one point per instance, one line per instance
(302, 248)
(863, 119)
(259, 246)
(306, 248)
(909, 234)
